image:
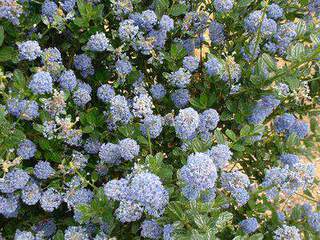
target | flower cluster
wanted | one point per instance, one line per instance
(159, 119)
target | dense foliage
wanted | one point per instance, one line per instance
(159, 119)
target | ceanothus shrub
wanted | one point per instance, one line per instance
(159, 119)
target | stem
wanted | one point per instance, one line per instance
(149, 141)
(84, 179)
(306, 197)
(256, 44)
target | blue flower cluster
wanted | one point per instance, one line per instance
(198, 174)
(126, 150)
(138, 193)
(237, 184)
(263, 109)
(249, 225)
(288, 179)
(288, 124)
(287, 232)
(148, 101)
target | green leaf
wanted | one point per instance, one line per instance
(244, 3)
(219, 136)
(161, 6)
(296, 52)
(301, 28)
(257, 236)
(177, 51)
(292, 81)
(1, 35)
(59, 235)
(245, 131)
(8, 54)
(223, 219)
(231, 135)
(238, 147)
(178, 9)
(269, 62)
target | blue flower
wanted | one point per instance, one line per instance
(41, 83)
(83, 63)
(11, 10)
(208, 120)
(151, 124)
(29, 50)
(117, 189)
(314, 221)
(46, 227)
(129, 211)
(274, 11)
(26, 149)
(15, 179)
(300, 128)
(167, 232)
(128, 149)
(76, 197)
(180, 97)
(68, 5)
(286, 232)
(186, 123)
(49, 9)
(284, 122)
(23, 235)
(128, 30)
(191, 63)
(249, 225)
(92, 146)
(221, 155)
(223, 5)
(216, 33)
(68, 80)
(110, 153)
(123, 67)
(147, 189)
(263, 109)
(180, 78)
(73, 232)
(99, 43)
(43, 170)
(200, 172)
(151, 229)
(81, 97)
(213, 66)
(31, 194)
(50, 200)
(158, 91)
(119, 109)
(166, 23)
(289, 159)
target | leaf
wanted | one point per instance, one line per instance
(219, 136)
(223, 219)
(8, 54)
(257, 236)
(231, 135)
(1, 35)
(269, 62)
(244, 3)
(178, 9)
(297, 52)
(301, 28)
(245, 131)
(175, 209)
(177, 51)
(59, 235)
(161, 6)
